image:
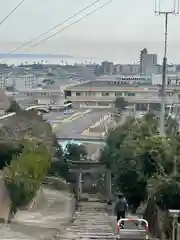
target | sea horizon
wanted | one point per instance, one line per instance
(30, 58)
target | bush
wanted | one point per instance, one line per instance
(26, 172)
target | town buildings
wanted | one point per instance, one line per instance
(102, 93)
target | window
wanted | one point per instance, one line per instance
(90, 94)
(104, 94)
(118, 94)
(129, 94)
(78, 94)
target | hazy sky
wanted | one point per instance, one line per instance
(116, 32)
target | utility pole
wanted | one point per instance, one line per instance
(158, 11)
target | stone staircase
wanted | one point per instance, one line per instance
(90, 222)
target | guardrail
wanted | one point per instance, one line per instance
(13, 113)
(97, 139)
(120, 230)
(26, 109)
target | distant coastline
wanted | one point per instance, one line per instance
(35, 55)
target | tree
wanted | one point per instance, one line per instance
(171, 126)
(120, 104)
(119, 155)
(138, 158)
(76, 152)
(26, 172)
(22, 126)
(60, 166)
(168, 197)
(155, 155)
(14, 107)
(136, 153)
(134, 186)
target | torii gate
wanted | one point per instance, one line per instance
(80, 167)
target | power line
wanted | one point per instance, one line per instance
(51, 29)
(70, 25)
(14, 9)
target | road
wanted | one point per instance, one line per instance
(73, 126)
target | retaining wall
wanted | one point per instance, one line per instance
(5, 202)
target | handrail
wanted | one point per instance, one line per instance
(119, 223)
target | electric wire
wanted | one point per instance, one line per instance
(51, 29)
(14, 9)
(70, 25)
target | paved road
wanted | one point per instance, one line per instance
(74, 127)
(51, 116)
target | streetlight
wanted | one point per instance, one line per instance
(158, 11)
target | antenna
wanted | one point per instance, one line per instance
(174, 10)
(158, 11)
(157, 7)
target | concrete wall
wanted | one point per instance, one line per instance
(57, 183)
(38, 199)
(62, 185)
(5, 202)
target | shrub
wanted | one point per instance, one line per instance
(26, 172)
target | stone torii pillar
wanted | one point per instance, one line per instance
(79, 185)
(108, 184)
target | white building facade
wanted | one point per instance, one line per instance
(28, 81)
(104, 93)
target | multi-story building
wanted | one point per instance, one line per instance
(126, 69)
(108, 67)
(144, 51)
(103, 93)
(41, 96)
(78, 72)
(19, 81)
(148, 63)
(53, 94)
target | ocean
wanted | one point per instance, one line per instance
(17, 60)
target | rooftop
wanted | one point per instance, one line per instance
(109, 84)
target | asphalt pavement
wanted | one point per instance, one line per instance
(73, 126)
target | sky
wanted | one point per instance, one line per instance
(116, 32)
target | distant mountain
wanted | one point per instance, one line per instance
(35, 55)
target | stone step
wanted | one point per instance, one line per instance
(90, 222)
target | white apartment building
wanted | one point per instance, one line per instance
(20, 81)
